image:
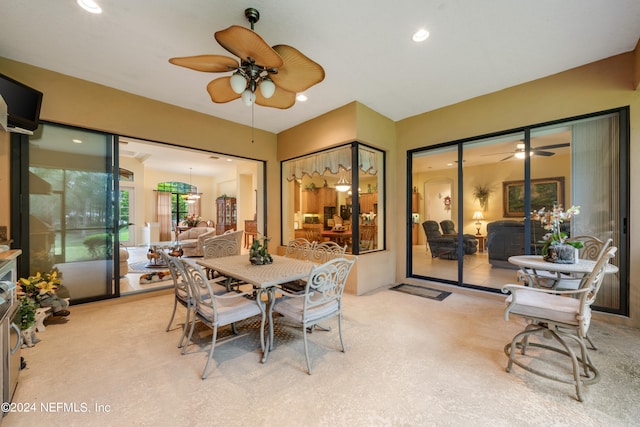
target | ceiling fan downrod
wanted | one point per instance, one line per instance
(252, 15)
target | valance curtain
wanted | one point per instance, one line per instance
(332, 161)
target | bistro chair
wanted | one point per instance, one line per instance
(321, 300)
(220, 310)
(299, 248)
(183, 295)
(326, 251)
(221, 246)
(302, 249)
(562, 315)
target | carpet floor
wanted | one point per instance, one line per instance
(408, 362)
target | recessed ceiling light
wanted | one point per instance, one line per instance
(420, 35)
(301, 97)
(76, 141)
(90, 6)
(229, 160)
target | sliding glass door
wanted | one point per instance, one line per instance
(484, 191)
(71, 209)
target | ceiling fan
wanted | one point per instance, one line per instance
(279, 72)
(535, 151)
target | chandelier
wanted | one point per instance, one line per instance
(343, 184)
(191, 197)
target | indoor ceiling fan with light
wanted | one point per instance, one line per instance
(268, 76)
(519, 152)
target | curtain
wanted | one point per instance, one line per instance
(595, 186)
(332, 161)
(163, 214)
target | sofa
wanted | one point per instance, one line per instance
(124, 261)
(191, 240)
(505, 238)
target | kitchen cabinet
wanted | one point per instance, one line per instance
(310, 202)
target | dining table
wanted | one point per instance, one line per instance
(536, 263)
(340, 237)
(262, 277)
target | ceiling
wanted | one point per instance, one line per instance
(365, 47)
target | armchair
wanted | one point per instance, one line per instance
(562, 315)
(192, 239)
(470, 243)
(442, 247)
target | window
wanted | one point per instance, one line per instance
(325, 198)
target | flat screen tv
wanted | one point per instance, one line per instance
(23, 103)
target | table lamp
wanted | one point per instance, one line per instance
(477, 215)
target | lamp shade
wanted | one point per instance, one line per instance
(267, 88)
(238, 83)
(248, 97)
(477, 215)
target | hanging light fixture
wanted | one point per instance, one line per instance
(343, 185)
(191, 197)
(249, 77)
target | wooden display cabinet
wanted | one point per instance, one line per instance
(226, 214)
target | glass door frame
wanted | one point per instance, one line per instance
(623, 164)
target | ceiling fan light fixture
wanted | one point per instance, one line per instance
(238, 82)
(267, 88)
(248, 97)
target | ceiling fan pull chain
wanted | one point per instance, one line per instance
(252, 128)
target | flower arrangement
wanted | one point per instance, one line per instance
(192, 220)
(551, 221)
(38, 291)
(259, 253)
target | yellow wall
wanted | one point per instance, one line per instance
(603, 85)
(591, 88)
(80, 103)
(352, 122)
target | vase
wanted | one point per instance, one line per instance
(562, 254)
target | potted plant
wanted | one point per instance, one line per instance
(556, 246)
(481, 194)
(259, 254)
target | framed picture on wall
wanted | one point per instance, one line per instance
(544, 193)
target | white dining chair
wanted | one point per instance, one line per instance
(216, 311)
(321, 300)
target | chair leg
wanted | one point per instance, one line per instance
(175, 304)
(340, 331)
(213, 346)
(193, 324)
(306, 349)
(187, 322)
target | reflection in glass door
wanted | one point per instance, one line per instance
(71, 215)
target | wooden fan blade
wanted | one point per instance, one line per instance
(245, 43)
(543, 153)
(220, 90)
(551, 147)
(207, 63)
(281, 98)
(298, 72)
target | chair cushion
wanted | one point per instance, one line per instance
(231, 310)
(546, 306)
(293, 308)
